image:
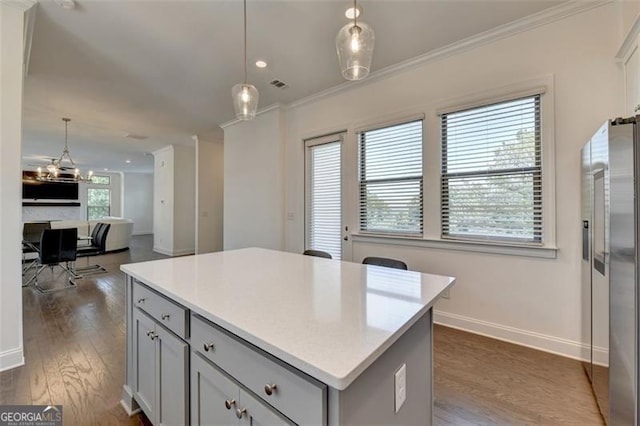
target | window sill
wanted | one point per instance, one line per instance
(472, 246)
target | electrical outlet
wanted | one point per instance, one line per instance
(445, 294)
(400, 380)
(290, 216)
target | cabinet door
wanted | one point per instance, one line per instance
(632, 79)
(144, 363)
(211, 394)
(173, 378)
(259, 414)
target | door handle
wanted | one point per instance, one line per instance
(346, 238)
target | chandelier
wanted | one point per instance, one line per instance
(57, 171)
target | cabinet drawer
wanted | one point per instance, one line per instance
(296, 395)
(166, 312)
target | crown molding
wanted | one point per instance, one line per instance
(260, 111)
(547, 16)
(20, 4)
(629, 41)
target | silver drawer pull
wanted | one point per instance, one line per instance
(208, 347)
(153, 335)
(270, 389)
(229, 403)
(140, 301)
(240, 413)
(149, 333)
(164, 316)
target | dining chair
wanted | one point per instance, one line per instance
(98, 246)
(317, 253)
(31, 232)
(57, 247)
(385, 261)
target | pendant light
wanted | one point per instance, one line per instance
(354, 44)
(55, 171)
(245, 95)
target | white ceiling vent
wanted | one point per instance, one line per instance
(136, 137)
(67, 4)
(279, 84)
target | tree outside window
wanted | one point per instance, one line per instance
(98, 203)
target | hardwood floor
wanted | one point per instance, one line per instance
(74, 351)
(483, 381)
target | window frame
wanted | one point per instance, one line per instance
(536, 172)
(361, 182)
(308, 145)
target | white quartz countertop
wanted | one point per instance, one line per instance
(327, 318)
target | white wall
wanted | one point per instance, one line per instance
(628, 12)
(184, 196)
(138, 201)
(11, 79)
(174, 200)
(253, 183)
(209, 191)
(163, 200)
(528, 300)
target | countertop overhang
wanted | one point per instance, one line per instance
(327, 318)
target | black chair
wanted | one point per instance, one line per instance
(317, 253)
(384, 261)
(98, 246)
(57, 247)
(31, 233)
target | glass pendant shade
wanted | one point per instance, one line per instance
(245, 101)
(354, 44)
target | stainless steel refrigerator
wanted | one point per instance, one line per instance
(611, 267)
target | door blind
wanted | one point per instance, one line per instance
(390, 179)
(492, 172)
(324, 216)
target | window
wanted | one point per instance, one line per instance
(98, 203)
(101, 180)
(390, 179)
(492, 172)
(324, 195)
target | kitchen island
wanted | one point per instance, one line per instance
(256, 336)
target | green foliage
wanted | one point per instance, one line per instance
(98, 203)
(499, 205)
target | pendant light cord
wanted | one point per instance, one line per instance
(245, 41)
(355, 14)
(66, 123)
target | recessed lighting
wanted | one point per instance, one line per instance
(127, 161)
(106, 170)
(349, 13)
(261, 64)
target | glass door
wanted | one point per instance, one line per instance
(324, 223)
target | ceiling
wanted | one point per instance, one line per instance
(164, 69)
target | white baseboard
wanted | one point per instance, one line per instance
(11, 359)
(542, 342)
(168, 252)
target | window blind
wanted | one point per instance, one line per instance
(324, 218)
(390, 179)
(492, 172)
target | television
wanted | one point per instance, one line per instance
(33, 189)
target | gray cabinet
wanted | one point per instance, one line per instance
(291, 392)
(144, 370)
(216, 399)
(161, 372)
